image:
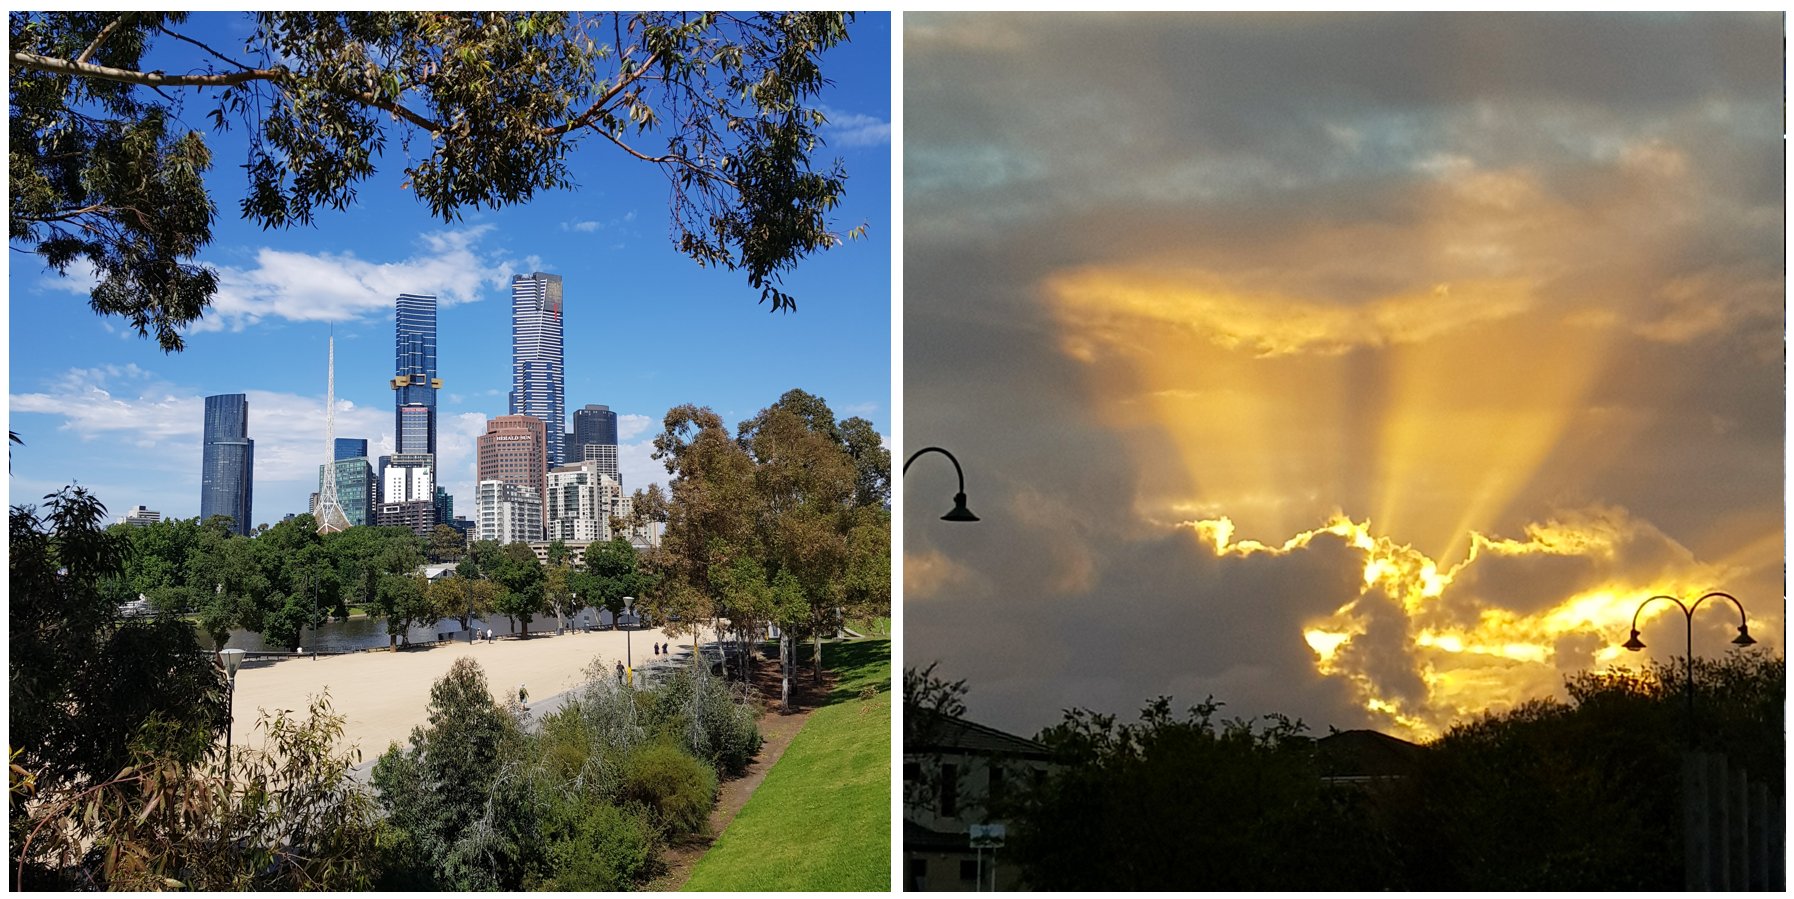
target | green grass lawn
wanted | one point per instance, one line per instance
(871, 627)
(822, 818)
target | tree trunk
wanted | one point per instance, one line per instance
(816, 659)
(785, 667)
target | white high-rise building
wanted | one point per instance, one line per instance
(508, 513)
(538, 376)
(582, 500)
(142, 517)
(408, 478)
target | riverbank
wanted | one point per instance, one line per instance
(383, 695)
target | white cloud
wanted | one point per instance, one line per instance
(589, 226)
(79, 279)
(288, 430)
(342, 286)
(151, 417)
(635, 462)
(852, 129)
(631, 424)
(457, 440)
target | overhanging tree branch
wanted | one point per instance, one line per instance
(77, 68)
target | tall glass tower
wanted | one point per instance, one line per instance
(538, 379)
(595, 437)
(414, 380)
(227, 479)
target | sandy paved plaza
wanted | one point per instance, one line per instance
(385, 694)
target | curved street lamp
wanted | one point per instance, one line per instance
(1743, 639)
(960, 512)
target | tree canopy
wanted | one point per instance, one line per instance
(1575, 794)
(82, 680)
(486, 109)
(783, 524)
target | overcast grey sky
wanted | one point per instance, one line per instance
(1365, 368)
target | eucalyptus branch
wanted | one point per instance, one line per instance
(604, 99)
(100, 38)
(669, 159)
(39, 63)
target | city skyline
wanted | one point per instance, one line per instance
(107, 409)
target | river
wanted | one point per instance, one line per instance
(370, 633)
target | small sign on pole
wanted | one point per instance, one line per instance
(988, 836)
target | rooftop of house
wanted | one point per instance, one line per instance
(953, 734)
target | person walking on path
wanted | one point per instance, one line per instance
(619, 672)
(523, 695)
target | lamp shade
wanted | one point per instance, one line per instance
(960, 512)
(232, 659)
(1634, 644)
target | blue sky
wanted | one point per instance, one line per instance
(647, 329)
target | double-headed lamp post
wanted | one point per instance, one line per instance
(232, 660)
(960, 512)
(1743, 639)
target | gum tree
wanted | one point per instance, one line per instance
(486, 110)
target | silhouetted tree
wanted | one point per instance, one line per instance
(1192, 803)
(1585, 793)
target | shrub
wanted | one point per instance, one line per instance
(710, 718)
(676, 789)
(598, 847)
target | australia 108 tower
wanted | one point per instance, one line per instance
(538, 376)
(414, 381)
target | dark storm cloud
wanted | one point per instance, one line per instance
(1574, 553)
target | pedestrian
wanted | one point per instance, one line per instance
(489, 637)
(523, 694)
(619, 672)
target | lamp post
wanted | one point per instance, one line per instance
(960, 512)
(232, 660)
(1743, 639)
(628, 653)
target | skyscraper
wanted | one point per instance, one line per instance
(538, 378)
(351, 448)
(582, 503)
(595, 438)
(414, 380)
(356, 489)
(227, 477)
(509, 513)
(514, 450)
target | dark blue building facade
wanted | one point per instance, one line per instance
(227, 478)
(414, 380)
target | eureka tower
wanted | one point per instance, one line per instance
(538, 378)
